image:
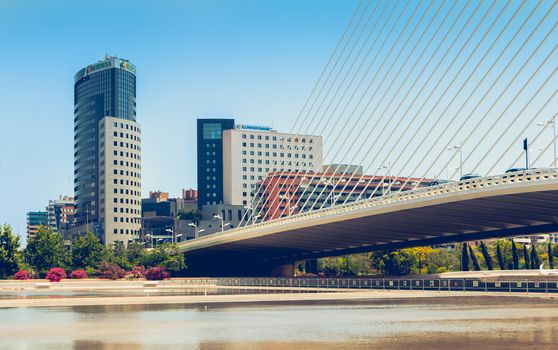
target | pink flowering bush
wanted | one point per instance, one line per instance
(110, 271)
(156, 274)
(78, 274)
(22, 275)
(137, 272)
(56, 274)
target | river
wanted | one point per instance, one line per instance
(437, 323)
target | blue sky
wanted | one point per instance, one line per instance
(420, 77)
(255, 61)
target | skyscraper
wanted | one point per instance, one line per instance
(107, 151)
(210, 159)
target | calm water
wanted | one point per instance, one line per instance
(459, 323)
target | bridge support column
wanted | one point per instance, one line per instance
(287, 270)
(311, 266)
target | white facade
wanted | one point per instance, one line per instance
(250, 154)
(120, 179)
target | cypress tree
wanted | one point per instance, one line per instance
(474, 259)
(464, 258)
(515, 257)
(550, 256)
(535, 261)
(486, 255)
(526, 257)
(500, 257)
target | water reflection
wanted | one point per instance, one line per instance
(456, 323)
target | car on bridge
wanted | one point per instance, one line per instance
(469, 176)
(514, 170)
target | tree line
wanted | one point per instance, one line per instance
(499, 254)
(45, 250)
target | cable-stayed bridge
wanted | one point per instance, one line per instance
(417, 93)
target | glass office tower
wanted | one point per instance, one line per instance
(210, 160)
(104, 89)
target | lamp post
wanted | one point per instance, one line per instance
(388, 168)
(552, 122)
(171, 231)
(219, 217)
(196, 230)
(459, 148)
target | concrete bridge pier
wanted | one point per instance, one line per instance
(286, 270)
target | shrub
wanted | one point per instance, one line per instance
(138, 272)
(110, 271)
(55, 274)
(156, 274)
(78, 274)
(22, 275)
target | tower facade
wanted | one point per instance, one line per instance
(107, 151)
(210, 160)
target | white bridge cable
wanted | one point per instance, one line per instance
(389, 122)
(450, 125)
(335, 173)
(536, 94)
(317, 113)
(533, 141)
(550, 144)
(348, 120)
(519, 92)
(341, 40)
(427, 99)
(351, 81)
(467, 99)
(426, 153)
(258, 204)
(473, 90)
(282, 172)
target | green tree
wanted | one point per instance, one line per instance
(550, 256)
(474, 259)
(535, 261)
(135, 252)
(87, 252)
(464, 258)
(527, 265)
(189, 214)
(46, 250)
(396, 262)
(118, 256)
(442, 260)
(500, 257)
(10, 257)
(486, 255)
(165, 255)
(515, 256)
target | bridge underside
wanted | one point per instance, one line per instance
(472, 219)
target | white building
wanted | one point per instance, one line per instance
(120, 179)
(251, 152)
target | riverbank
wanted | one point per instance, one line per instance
(284, 297)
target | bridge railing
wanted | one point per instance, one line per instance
(476, 184)
(363, 283)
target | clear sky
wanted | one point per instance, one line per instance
(417, 77)
(255, 61)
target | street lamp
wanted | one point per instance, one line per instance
(458, 148)
(333, 197)
(388, 168)
(219, 217)
(552, 122)
(196, 230)
(171, 231)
